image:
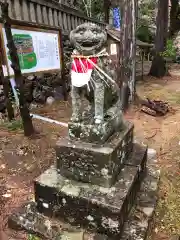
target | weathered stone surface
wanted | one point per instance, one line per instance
(29, 219)
(91, 206)
(138, 157)
(140, 221)
(136, 227)
(87, 131)
(89, 42)
(152, 154)
(94, 163)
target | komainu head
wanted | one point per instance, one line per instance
(88, 38)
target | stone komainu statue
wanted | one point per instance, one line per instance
(91, 70)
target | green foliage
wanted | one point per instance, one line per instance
(146, 20)
(144, 34)
(32, 237)
(97, 8)
(13, 125)
(93, 7)
(170, 51)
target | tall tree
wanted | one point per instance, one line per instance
(25, 115)
(128, 47)
(158, 67)
(174, 18)
(6, 86)
(106, 10)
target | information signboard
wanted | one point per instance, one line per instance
(38, 50)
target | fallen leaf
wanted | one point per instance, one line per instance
(3, 166)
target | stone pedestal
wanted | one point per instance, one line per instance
(28, 218)
(92, 185)
(92, 162)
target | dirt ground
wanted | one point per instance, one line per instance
(22, 159)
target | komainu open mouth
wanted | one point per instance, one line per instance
(87, 44)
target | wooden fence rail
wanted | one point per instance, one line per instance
(49, 13)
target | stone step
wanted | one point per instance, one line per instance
(136, 227)
(140, 221)
(138, 157)
(93, 207)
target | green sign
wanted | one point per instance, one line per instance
(25, 50)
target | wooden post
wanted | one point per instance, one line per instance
(6, 90)
(134, 8)
(25, 115)
(128, 47)
(6, 87)
(142, 66)
(63, 69)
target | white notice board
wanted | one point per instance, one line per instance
(38, 50)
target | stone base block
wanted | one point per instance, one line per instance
(138, 157)
(29, 219)
(96, 208)
(140, 227)
(95, 163)
(88, 131)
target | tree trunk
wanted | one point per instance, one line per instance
(7, 94)
(158, 67)
(174, 18)
(6, 89)
(25, 115)
(106, 11)
(128, 49)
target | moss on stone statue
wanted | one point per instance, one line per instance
(33, 237)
